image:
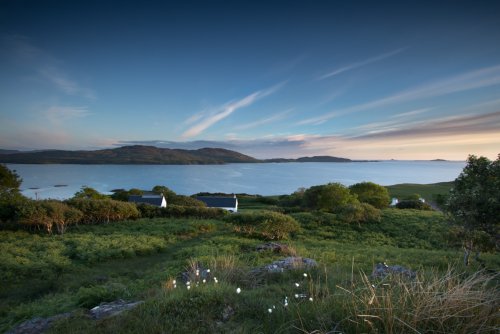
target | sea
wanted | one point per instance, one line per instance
(63, 181)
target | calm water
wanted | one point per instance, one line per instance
(264, 179)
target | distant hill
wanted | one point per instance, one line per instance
(145, 155)
(8, 151)
(321, 158)
(137, 154)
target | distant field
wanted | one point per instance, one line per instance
(426, 191)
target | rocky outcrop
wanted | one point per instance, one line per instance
(37, 325)
(288, 263)
(105, 310)
(381, 270)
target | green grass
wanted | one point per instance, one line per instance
(426, 191)
(137, 260)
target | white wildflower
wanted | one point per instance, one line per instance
(297, 285)
(174, 282)
(189, 287)
(296, 295)
(208, 270)
(310, 299)
(305, 275)
(270, 310)
(238, 290)
(204, 281)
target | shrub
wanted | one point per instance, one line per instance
(98, 211)
(413, 204)
(266, 224)
(371, 193)
(176, 211)
(327, 197)
(359, 213)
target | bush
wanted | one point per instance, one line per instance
(98, 211)
(413, 204)
(176, 211)
(359, 213)
(371, 193)
(328, 197)
(266, 224)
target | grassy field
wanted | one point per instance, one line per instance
(138, 260)
(426, 191)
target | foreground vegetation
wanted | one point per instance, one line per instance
(43, 275)
(200, 270)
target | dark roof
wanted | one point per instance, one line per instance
(149, 199)
(218, 202)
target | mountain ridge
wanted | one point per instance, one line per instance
(146, 155)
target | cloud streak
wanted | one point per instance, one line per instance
(43, 64)
(359, 64)
(483, 77)
(60, 114)
(271, 119)
(204, 122)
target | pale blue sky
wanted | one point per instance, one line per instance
(361, 79)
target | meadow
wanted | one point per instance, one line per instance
(44, 275)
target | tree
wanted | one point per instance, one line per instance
(474, 205)
(89, 193)
(371, 193)
(169, 194)
(10, 197)
(328, 197)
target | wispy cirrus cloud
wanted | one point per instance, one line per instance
(60, 114)
(480, 78)
(46, 67)
(205, 120)
(362, 63)
(64, 83)
(271, 119)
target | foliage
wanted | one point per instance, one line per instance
(9, 180)
(182, 200)
(88, 193)
(46, 214)
(10, 197)
(176, 211)
(474, 203)
(413, 204)
(358, 213)
(328, 197)
(98, 211)
(371, 193)
(265, 224)
(123, 195)
(168, 193)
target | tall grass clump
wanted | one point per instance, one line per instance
(448, 303)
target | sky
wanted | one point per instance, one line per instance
(354, 79)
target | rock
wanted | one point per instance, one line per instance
(287, 263)
(381, 270)
(37, 325)
(227, 313)
(274, 247)
(105, 310)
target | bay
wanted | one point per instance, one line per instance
(62, 181)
